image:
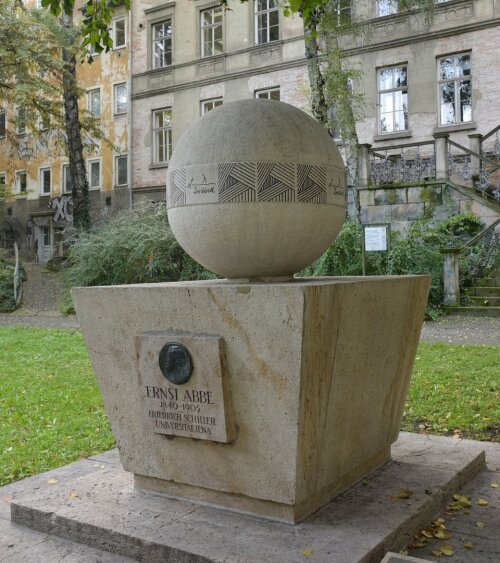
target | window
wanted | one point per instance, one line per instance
(119, 38)
(21, 182)
(20, 121)
(45, 181)
(393, 99)
(387, 7)
(120, 98)
(67, 183)
(162, 135)
(94, 172)
(95, 102)
(455, 89)
(209, 105)
(46, 236)
(3, 125)
(267, 21)
(343, 10)
(121, 170)
(162, 44)
(3, 179)
(211, 32)
(268, 94)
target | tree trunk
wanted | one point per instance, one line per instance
(316, 80)
(80, 189)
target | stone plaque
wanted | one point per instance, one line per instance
(183, 386)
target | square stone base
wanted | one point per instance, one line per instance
(314, 374)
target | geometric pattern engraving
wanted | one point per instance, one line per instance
(275, 181)
(236, 182)
(311, 181)
(177, 187)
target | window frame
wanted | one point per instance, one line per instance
(214, 101)
(117, 174)
(19, 131)
(65, 169)
(124, 44)
(4, 114)
(91, 91)
(165, 37)
(3, 175)
(41, 172)
(115, 98)
(91, 161)
(256, 93)
(18, 189)
(456, 90)
(258, 13)
(212, 27)
(387, 4)
(404, 90)
(161, 130)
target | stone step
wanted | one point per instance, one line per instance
(485, 301)
(486, 282)
(485, 291)
(492, 312)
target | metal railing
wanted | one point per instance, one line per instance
(474, 170)
(406, 163)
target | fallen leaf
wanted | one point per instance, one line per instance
(446, 549)
(494, 485)
(480, 524)
(51, 481)
(482, 502)
(428, 533)
(73, 494)
(462, 501)
(442, 535)
(403, 493)
(308, 552)
(438, 521)
(468, 545)
(436, 553)
(403, 552)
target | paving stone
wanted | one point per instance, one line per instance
(102, 509)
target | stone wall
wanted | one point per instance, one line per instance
(402, 205)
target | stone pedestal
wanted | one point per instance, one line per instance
(305, 383)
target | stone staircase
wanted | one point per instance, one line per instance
(482, 299)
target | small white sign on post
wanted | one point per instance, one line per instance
(375, 238)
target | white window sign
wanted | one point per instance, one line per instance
(375, 238)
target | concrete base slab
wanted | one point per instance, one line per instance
(103, 510)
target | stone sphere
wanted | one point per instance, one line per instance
(256, 189)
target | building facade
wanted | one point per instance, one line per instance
(426, 84)
(36, 170)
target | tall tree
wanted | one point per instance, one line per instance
(35, 80)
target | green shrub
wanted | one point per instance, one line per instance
(417, 251)
(7, 268)
(135, 246)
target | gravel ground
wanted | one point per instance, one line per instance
(463, 330)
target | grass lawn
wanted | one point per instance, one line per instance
(51, 411)
(455, 390)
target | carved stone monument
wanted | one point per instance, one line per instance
(260, 393)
